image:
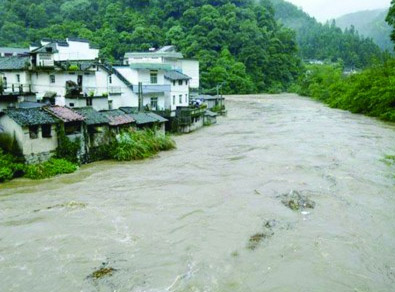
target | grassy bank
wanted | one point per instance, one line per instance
(127, 146)
(136, 145)
(370, 92)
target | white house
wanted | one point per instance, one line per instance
(168, 55)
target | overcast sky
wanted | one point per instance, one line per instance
(323, 10)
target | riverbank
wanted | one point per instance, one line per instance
(370, 92)
(127, 146)
(187, 219)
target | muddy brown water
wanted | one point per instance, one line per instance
(183, 220)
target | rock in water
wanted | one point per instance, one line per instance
(296, 201)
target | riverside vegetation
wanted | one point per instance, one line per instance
(370, 92)
(127, 146)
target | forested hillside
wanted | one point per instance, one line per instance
(326, 41)
(237, 41)
(369, 23)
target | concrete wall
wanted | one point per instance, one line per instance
(193, 127)
(173, 97)
(191, 68)
(34, 150)
(12, 79)
(76, 51)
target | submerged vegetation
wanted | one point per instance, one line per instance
(50, 168)
(370, 92)
(128, 145)
(136, 145)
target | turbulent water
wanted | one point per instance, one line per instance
(183, 221)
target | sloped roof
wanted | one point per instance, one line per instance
(65, 114)
(14, 63)
(158, 118)
(129, 109)
(7, 50)
(31, 116)
(118, 117)
(49, 48)
(92, 117)
(175, 75)
(143, 117)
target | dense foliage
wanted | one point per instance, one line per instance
(50, 168)
(371, 92)
(391, 19)
(10, 166)
(135, 145)
(326, 41)
(369, 23)
(237, 41)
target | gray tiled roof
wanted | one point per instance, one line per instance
(65, 114)
(14, 50)
(158, 118)
(118, 117)
(14, 63)
(175, 75)
(31, 117)
(143, 117)
(92, 117)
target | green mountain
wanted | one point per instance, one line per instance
(369, 23)
(325, 41)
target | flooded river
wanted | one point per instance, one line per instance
(183, 221)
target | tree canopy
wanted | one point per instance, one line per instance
(391, 19)
(236, 41)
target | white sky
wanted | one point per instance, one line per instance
(323, 10)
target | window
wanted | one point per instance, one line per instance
(110, 104)
(52, 79)
(72, 128)
(180, 98)
(110, 79)
(154, 103)
(18, 78)
(174, 99)
(154, 77)
(46, 131)
(186, 98)
(186, 82)
(5, 82)
(179, 82)
(174, 83)
(89, 101)
(33, 132)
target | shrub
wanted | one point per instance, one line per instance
(10, 167)
(67, 149)
(140, 144)
(50, 168)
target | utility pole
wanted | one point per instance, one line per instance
(140, 94)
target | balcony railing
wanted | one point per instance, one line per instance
(153, 88)
(16, 88)
(115, 90)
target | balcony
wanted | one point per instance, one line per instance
(115, 90)
(16, 89)
(153, 88)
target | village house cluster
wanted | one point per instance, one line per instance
(64, 85)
